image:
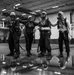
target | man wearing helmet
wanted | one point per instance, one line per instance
(29, 31)
(45, 32)
(14, 35)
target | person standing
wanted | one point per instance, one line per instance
(29, 33)
(14, 35)
(64, 33)
(45, 33)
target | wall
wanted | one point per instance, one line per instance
(73, 23)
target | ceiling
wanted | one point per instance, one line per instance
(49, 5)
(35, 4)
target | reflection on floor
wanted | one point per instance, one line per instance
(34, 72)
(33, 65)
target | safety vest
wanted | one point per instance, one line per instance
(62, 26)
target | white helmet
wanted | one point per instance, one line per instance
(43, 12)
(29, 16)
(12, 13)
(61, 13)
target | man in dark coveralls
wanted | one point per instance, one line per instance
(14, 35)
(45, 32)
(29, 33)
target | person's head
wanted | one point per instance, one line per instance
(61, 15)
(43, 15)
(30, 18)
(12, 15)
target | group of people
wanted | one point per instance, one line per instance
(45, 32)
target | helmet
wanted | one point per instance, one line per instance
(43, 12)
(61, 13)
(12, 13)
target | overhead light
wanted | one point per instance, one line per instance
(55, 6)
(3, 9)
(38, 10)
(39, 69)
(18, 4)
(57, 73)
(3, 19)
(32, 12)
(23, 14)
(3, 62)
(3, 72)
(24, 66)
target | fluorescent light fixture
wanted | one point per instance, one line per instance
(3, 9)
(24, 66)
(39, 69)
(3, 20)
(38, 10)
(18, 4)
(32, 12)
(3, 72)
(23, 14)
(55, 6)
(3, 62)
(57, 73)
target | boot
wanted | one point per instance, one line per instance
(10, 54)
(29, 54)
(41, 54)
(16, 55)
(60, 55)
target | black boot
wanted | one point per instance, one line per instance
(60, 55)
(10, 54)
(41, 54)
(49, 54)
(29, 54)
(16, 55)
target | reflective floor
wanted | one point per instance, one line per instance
(27, 65)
